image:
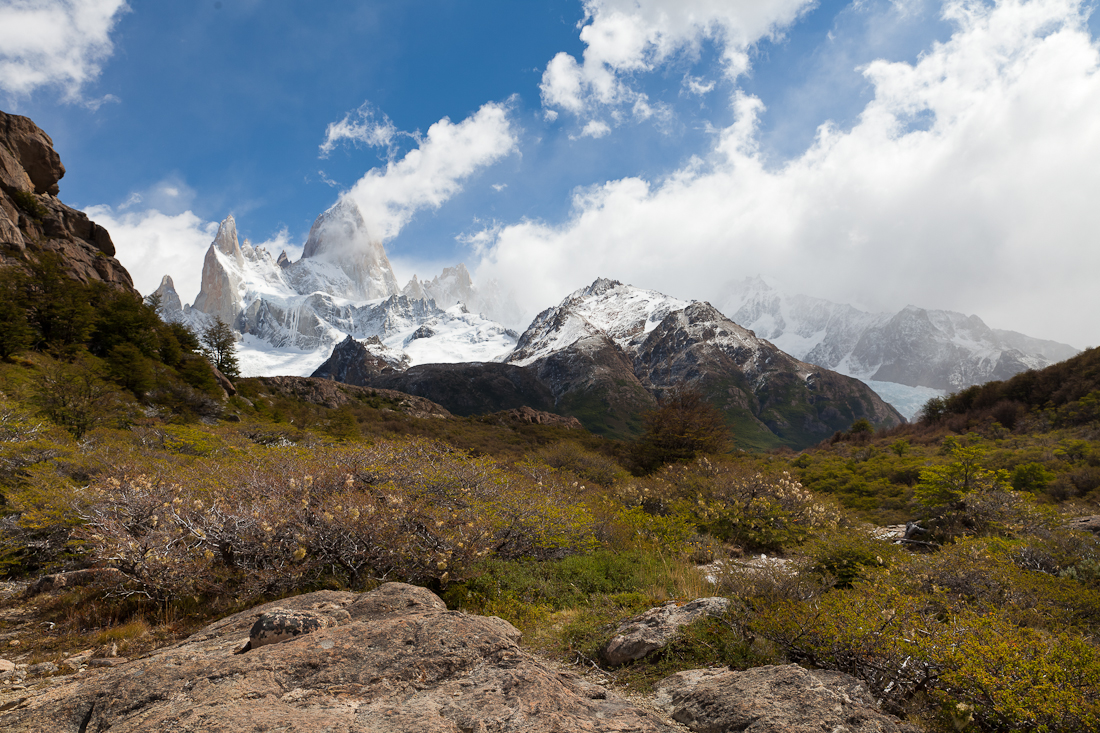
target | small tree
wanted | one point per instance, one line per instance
(220, 347)
(74, 396)
(683, 427)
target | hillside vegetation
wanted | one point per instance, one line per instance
(119, 449)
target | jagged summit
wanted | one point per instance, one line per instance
(622, 313)
(340, 236)
(290, 314)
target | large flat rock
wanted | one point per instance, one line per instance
(395, 660)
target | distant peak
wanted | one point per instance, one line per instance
(600, 286)
(166, 282)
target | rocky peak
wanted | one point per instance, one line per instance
(357, 362)
(219, 294)
(169, 299)
(414, 289)
(226, 240)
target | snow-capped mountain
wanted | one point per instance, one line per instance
(608, 351)
(907, 356)
(622, 313)
(291, 314)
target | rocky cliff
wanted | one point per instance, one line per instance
(33, 220)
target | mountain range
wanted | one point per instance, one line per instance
(906, 357)
(779, 366)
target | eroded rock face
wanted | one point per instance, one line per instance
(401, 662)
(32, 151)
(774, 699)
(656, 627)
(33, 220)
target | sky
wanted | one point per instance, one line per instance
(873, 152)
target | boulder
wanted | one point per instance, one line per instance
(774, 699)
(655, 628)
(400, 662)
(1085, 524)
(75, 578)
(280, 624)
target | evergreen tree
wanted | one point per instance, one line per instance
(15, 331)
(220, 346)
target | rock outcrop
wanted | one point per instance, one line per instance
(33, 221)
(400, 662)
(530, 416)
(655, 628)
(358, 362)
(330, 394)
(774, 699)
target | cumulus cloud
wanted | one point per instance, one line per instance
(435, 170)
(151, 244)
(968, 182)
(55, 43)
(627, 37)
(596, 129)
(364, 126)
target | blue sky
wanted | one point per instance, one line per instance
(877, 152)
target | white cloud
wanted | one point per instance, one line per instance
(55, 43)
(596, 129)
(968, 182)
(151, 244)
(363, 127)
(625, 37)
(434, 171)
(695, 85)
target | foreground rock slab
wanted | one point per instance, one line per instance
(398, 661)
(774, 699)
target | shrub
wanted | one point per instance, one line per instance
(286, 519)
(757, 511)
(74, 395)
(593, 467)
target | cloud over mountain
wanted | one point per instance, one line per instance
(431, 173)
(965, 182)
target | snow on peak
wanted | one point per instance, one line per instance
(623, 313)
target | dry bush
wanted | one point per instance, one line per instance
(279, 519)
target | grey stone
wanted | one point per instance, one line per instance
(774, 699)
(656, 627)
